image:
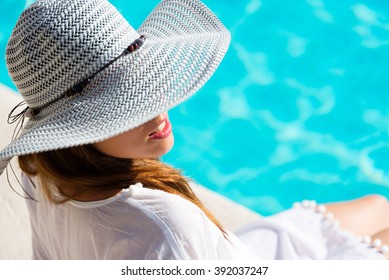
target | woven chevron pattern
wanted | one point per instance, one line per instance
(57, 44)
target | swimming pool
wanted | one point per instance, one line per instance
(297, 110)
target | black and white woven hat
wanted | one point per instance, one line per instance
(86, 75)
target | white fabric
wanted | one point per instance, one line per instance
(141, 223)
(301, 233)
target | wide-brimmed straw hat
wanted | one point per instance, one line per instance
(86, 75)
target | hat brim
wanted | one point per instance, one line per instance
(185, 43)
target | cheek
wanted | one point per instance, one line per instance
(130, 145)
(126, 145)
(128, 148)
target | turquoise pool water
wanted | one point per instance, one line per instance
(297, 110)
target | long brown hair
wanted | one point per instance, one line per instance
(68, 173)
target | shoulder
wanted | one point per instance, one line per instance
(152, 224)
(139, 223)
(185, 225)
(171, 208)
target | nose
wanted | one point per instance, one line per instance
(161, 117)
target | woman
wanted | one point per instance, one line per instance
(97, 94)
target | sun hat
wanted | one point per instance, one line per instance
(86, 75)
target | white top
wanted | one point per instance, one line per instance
(141, 223)
(138, 223)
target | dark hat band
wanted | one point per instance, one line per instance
(78, 88)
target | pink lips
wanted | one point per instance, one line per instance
(164, 133)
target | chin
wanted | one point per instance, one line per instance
(165, 146)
